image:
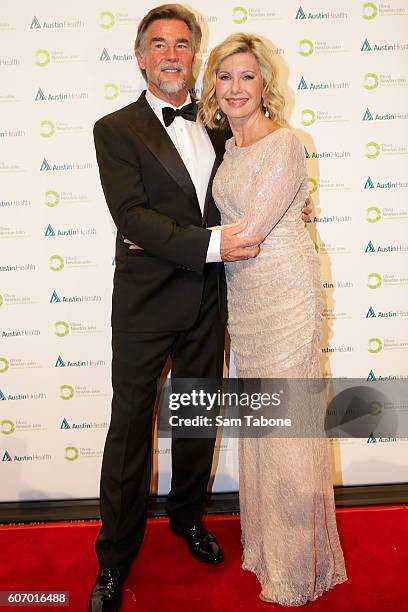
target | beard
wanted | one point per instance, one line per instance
(172, 86)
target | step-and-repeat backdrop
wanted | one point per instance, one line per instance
(343, 67)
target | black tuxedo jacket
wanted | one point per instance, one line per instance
(154, 204)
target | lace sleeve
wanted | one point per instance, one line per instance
(279, 178)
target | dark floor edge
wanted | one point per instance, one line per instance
(218, 503)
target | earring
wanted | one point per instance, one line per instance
(265, 109)
(218, 116)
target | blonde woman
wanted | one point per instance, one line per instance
(289, 531)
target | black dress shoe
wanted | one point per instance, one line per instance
(106, 595)
(201, 543)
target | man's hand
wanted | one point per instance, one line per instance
(307, 210)
(235, 248)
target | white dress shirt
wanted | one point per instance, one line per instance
(197, 152)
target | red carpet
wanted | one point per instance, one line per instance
(60, 556)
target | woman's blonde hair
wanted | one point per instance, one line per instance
(240, 43)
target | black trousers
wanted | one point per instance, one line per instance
(138, 360)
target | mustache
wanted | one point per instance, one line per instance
(172, 66)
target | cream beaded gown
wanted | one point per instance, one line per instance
(275, 302)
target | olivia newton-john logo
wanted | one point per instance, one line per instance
(108, 20)
(69, 392)
(374, 149)
(307, 47)
(63, 328)
(9, 427)
(374, 10)
(377, 345)
(308, 85)
(49, 166)
(42, 95)
(69, 262)
(73, 453)
(309, 117)
(370, 115)
(372, 183)
(69, 232)
(10, 364)
(13, 232)
(326, 184)
(371, 46)
(375, 214)
(385, 248)
(371, 81)
(112, 91)
(375, 280)
(54, 198)
(14, 299)
(243, 14)
(309, 154)
(56, 24)
(319, 15)
(45, 57)
(70, 299)
(48, 128)
(328, 248)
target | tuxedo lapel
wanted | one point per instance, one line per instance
(217, 138)
(155, 138)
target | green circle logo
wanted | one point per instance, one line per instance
(371, 81)
(47, 129)
(306, 47)
(313, 185)
(61, 329)
(239, 14)
(374, 280)
(42, 58)
(372, 150)
(308, 117)
(4, 365)
(56, 263)
(377, 407)
(7, 427)
(71, 453)
(111, 91)
(375, 345)
(373, 214)
(370, 10)
(52, 198)
(106, 20)
(66, 392)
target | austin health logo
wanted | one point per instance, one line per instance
(65, 424)
(371, 376)
(45, 166)
(300, 14)
(2, 396)
(239, 14)
(35, 24)
(370, 10)
(370, 248)
(367, 115)
(54, 298)
(302, 84)
(6, 456)
(371, 439)
(49, 231)
(40, 97)
(60, 362)
(104, 57)
(369, 184)
(371, 313)
(366, 46)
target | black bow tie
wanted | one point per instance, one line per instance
(188, 112)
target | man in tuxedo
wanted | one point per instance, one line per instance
(156, 164)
